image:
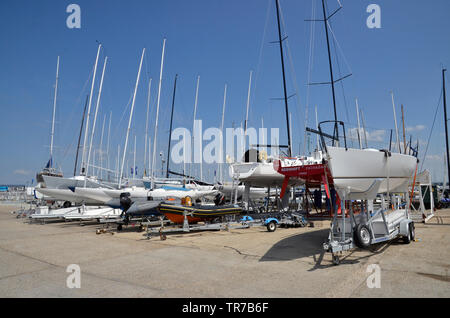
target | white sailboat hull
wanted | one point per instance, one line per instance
(67, 195)
(256, 173)
(356, 170)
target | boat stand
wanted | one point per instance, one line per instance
(369, 227)
(186, 227)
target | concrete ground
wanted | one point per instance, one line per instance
(240, 263)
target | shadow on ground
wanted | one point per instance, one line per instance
(310, 244)
(297, 246)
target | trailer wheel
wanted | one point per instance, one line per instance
(119, 227)
(271, 226)
(335, 259)
(363, 236)
(408, 238)
(67, 204)
(412, 231)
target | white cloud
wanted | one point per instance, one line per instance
(376, 135)
(22, 172)
(415, 128)
(434, 157)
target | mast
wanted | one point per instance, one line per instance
(134, 159)
(146, 125)
(364, 128)
(86, 132)
(395, 120)
(221, 131)
(284, 79)
(170, 129)
(248, 103)
(131, 117)
(95, 117)
(325, 20)
(445, 119)
(101, 149)
(79, 137)
(157, 111)
(359, 126)
(107, 146)
(54, 112)
(404, 135)
(195, 114)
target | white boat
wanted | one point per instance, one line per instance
(93, 214)
(66, 195)
(112, 196)
(72, 182)
(356, 170)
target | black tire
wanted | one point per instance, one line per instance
(67, 204)
(119, 227)
(412, 231)
(271, 226)
(363, 236)
(410, 236)
(335, 259)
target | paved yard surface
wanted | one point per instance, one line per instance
(240, 263)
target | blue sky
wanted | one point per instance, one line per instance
(221, 41)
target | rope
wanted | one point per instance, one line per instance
(431, 131)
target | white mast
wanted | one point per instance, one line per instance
(149, 152)
(54, 111)
(146, 124)
(359, 127)
(95, 118)
(131, 117)
(395, 120)
(157, 111)
(118, 163)
(101, 149)
(134, 159)
(317, 127)
(221, 131)
(248, 106)
(107, 146)
(86, 131)
(290, 126)
(193, 122)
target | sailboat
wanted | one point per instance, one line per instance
(256, 168)
(355, 173)
(49, 169)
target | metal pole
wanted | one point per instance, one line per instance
(359, 126)
(395, 120)
(79, 137)
(221, 130)
(404, 135)
(54, 111)
(157, 114)
(95, 117)
(170, 128)
(146, 125)
(445, 119)
(86, 132)
(284, 79)
(325, 20)
(248, 104)
(131, 117)
(193, 122)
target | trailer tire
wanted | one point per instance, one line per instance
(363, 236)
(412, 231)
(67, 204)
(271, 226)
(410, 237)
